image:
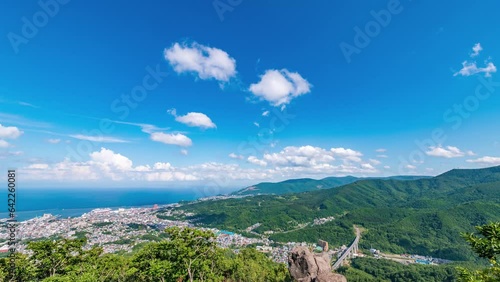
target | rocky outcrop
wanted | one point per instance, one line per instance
(304, 266)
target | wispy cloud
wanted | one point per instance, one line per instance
(487, 160)
(22, 121)
(101, 139)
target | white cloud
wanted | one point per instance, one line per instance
(162, 166)
(235, 156)
(102, 139)
(9, 132)
(375, 162)
(347, 154)
(4, 144)
(291, 162)
(279, 87)
(446, 152)
(184, 152)
(367, 166)
(382, 156)
(411, 166)
(107, 158)
(256, 124)
(254, 160)
(172, 139)
(265, 113)
(470, 68)
(381, 150)
(193, 119)
(486, 160)
(387, 167)
(470, 153)
(38, 166)
(54, 141)
(476, 49)
(206, 62)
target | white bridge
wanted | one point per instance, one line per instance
(349, 252)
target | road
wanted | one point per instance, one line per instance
(349, 250)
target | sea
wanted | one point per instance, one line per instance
(73, 202)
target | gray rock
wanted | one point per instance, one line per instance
(304, 266)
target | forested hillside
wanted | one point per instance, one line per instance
(423, 216)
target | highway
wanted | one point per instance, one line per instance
(349, 251)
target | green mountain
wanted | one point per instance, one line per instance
(307, 184)
(423, 216)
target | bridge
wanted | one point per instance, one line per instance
(349, 252)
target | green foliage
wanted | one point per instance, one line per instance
(307, 184)
(423, 216)
(486, 244)
(370, 269)
(187, 255)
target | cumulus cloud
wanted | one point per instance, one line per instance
(347, 154)
(105, 164)
(279, 87)
(471, 68)
(254, 160)
(9, 132)
(206, 62)
(476, 49)
(101, 139)
(265, 113)
(487, 160)
(172, 139)
(108, 158)
(193, 119)
(445, 152)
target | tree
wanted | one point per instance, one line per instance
(486, 244)
(53, 257)
(189, 253)
(24, 270)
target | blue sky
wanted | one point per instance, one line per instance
(228, 93)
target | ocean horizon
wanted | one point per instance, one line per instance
(33, 202)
